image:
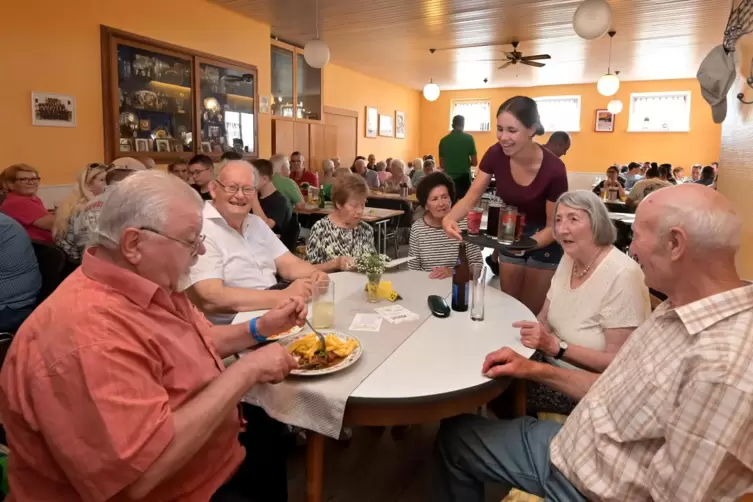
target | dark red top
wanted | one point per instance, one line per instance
(307, 177)
(550, 182)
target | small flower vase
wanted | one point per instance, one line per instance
(372, 287)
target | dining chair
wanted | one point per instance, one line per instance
(52, 262)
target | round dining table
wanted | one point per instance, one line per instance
(434, 374)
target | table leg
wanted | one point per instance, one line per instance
(314, 466)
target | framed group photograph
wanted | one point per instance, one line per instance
(400, 125)
(142, 145)
(604, 121)
(372, 122)
(206, 147)
(125, 145)
(53, 110)
(386, 127)
(162, 145)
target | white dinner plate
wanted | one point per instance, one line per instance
(348, 361)
(292, 331)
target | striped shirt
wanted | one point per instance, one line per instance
(671, 418)
(432, 248)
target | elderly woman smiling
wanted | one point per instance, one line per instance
(432, 249)
(340, 237)
(596, 299)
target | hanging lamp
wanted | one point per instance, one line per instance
(609, 84)
(431, 91)
(316, 52)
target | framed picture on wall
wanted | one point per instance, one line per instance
(372, 122)
(400, 125)
(162, 145)
(206, 147)
(386, 126)
(53, 110)
(604, 121)
(142, 145)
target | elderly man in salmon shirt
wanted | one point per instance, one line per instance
(115, 389)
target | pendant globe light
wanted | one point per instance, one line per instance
(609, 84)
(614, 106)
(316, 52)
(592, 19)
(431, 91)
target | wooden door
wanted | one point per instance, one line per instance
(323, 144)
(283, 137)
(346, 133)
(301, 140)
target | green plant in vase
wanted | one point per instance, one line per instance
(373, 265)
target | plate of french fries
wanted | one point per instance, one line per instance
(292, 331)
(343, 350)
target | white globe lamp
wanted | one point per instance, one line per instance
(614, 106)
(431, 91)
(608, 84)
(316, 53)
(592, 19)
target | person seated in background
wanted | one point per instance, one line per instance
(3, 186)
(695, 172)
(382, 174)
(341, 237)
(419, 175)
(633, 176)
(371, 165)
(397, 177)
(267, 203)
(23, 205)
(70, 231)
(282, 182)
(19, 275)
(665, 173)
(432, 249)
(606, 285)
(179, 169)
(230, 155)
(328, 173)
(335, 162)
(558, 143)
(678, 173)
(137, 402)
(613, 183)
(243, 256)
(116, 174)
(670, 417)
(707, 176)
(201, 170)
(645, 186)
(715, 165)
(299, 174)
(370, 177)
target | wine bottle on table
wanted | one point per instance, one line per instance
(461, 277)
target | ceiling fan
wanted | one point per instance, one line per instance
(516, 57)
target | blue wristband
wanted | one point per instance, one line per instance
(254, 333)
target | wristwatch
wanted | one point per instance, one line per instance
(563, 348)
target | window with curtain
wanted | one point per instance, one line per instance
(559, 113)
(660, 112)
(477, 113)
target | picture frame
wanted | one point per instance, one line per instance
(177, 147)
(162, 145)
(372, 122)
(386, 126)
(53, 110)
(400, 125)
(142, 145)
(263, 104)
(125, 145)
(206, 147)
(604, 121)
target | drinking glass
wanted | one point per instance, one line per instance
(323, 305)
(475, 216)
(478, 286)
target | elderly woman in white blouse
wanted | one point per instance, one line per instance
(596, 299)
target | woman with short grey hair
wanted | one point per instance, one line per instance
(282, 182)
(596, 299)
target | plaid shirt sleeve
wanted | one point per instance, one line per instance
(708, 453)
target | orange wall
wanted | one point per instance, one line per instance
(52, 46)
(592, 151)
(345, 88)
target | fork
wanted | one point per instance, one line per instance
(319, 336)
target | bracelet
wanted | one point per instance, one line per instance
(254, 333)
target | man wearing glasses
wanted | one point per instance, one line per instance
(201, 171)
(23, 205)
(243, 258)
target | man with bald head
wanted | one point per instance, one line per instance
(559, 143)
(114, 388)
(671, 418)
(243, 255)
(371, 178)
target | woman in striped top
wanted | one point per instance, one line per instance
(435, 252)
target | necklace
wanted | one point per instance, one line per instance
(582, 273)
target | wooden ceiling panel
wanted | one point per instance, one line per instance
(656, 39)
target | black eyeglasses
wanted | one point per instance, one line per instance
(193, 246)
(194, 172)
(233, 189)
(28, 181)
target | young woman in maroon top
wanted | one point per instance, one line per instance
(530, 178)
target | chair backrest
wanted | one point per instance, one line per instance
(52, 261)
(289, 236)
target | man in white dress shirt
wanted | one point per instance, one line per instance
(243, 255)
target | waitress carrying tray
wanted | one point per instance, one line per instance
(484, 241)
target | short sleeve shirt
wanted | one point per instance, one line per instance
(550, 182)
(276, 207)
(239, 261)
(90, 383)
(20, 280)
(456, 150)
(27, 210)
(288, 188)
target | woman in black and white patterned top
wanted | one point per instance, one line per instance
(435, 252)
(336, 240)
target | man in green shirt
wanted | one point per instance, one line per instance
(457, 153)
(284, 184)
